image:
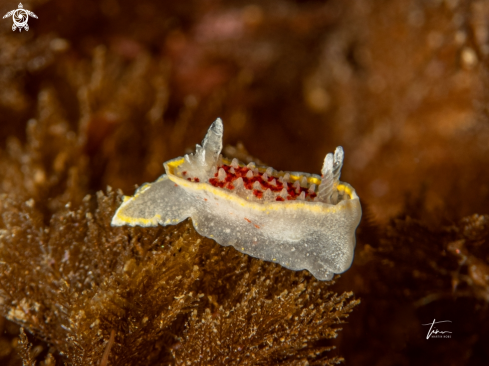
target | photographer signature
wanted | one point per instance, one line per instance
(436, 331)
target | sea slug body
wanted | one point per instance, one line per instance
(299, 220)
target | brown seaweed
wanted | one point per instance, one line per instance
(131, 296)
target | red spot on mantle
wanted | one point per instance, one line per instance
(258, 193)
(240, 172)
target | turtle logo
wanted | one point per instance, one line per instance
(20, 17)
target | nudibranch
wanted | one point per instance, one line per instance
(299, 220)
